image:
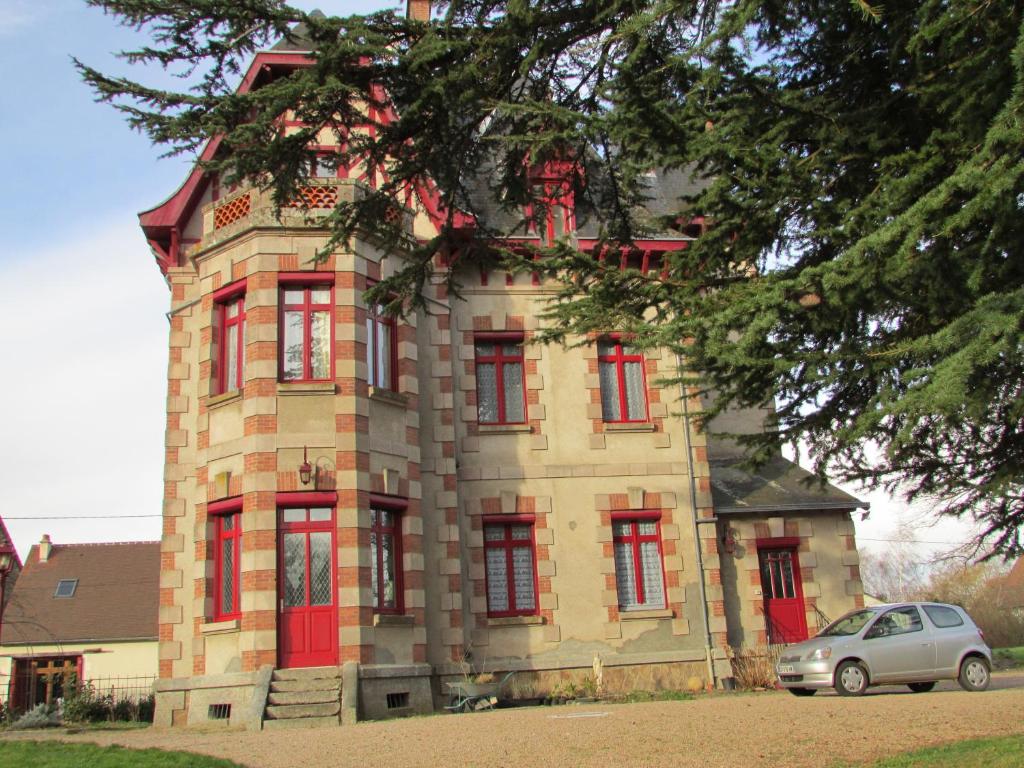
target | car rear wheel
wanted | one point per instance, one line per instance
(851, 679)
(974, 674)
(921, 687)
(802, 691)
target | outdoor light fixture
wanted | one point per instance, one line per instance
(305, 468)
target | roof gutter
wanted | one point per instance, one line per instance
(806, 507)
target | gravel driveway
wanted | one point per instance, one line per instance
(735, 730)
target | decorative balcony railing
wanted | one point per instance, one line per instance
(252, 207)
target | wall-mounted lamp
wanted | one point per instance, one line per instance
(305, 468)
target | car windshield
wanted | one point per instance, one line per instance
(850, 624)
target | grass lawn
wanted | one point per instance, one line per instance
(53, 754)
(1001, 752)
(1013, 656)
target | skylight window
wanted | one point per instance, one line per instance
(66, 588)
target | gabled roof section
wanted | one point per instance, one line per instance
(778, 486)
(163, 223)
(117, 596)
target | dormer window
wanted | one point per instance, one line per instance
(66, 588)
(553, 215)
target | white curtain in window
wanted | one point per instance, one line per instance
(497, 581)
(294, 337)
(636, 401)
(522, 564)
(625, 575)
(320, 345)
(609, 392)
(487, 393)
(515, 408)
(650, 565)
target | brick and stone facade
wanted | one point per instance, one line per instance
(422, 447)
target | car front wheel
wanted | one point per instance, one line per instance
(802, 691)
(921, 687)
(851, 679)
(974, 674)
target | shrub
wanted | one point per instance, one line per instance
(40, 717)
(754, 667)
(83, 705)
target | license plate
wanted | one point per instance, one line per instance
(785, 669)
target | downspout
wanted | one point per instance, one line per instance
(692, 478)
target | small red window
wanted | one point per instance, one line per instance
(623, 388)
(639, 575)
(230, 308)
(307, 330)
(381, 349)
(227, 557)
(500, 379)
(386, 560)
(510, 557)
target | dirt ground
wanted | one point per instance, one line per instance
(735, 730)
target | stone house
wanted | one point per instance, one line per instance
(408, 499)
(85, 611)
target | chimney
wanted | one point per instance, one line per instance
(45, 547)
(418, 10)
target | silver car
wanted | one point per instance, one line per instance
(913, 644)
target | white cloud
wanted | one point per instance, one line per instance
(17, 15)
(82, 395)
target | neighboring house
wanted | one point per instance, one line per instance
(411, 496)
(10, 567)
(81, 611)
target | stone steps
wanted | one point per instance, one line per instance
(287, 686)
(301, 722)
(308, 673)
(304, 698)
(291, 711)
(325, 696)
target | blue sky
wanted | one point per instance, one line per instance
(82, 326)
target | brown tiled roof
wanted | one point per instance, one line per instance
(117, 597)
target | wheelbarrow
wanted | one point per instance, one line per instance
(467, 696)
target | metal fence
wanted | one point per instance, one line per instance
(132, 689)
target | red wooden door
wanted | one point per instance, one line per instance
(308, 621)
(785, 615)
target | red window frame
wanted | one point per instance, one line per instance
(499, 358)
(305, 282)
(396, 507)
(222, 511)
(508, 544)
(223, 299)
(634, 539)
(619, 359)
(375, 319)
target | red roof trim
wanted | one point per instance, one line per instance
(158, 222)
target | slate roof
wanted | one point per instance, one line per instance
(664, 190)
(780, 485)
(117, 597)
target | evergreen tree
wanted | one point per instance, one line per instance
(864, 182)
